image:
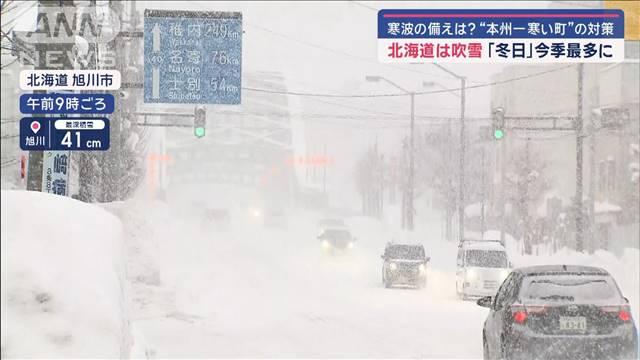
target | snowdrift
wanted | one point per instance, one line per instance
(62, 290)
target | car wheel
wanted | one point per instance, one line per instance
(422, 283)
(505, 352)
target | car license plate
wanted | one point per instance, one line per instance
(573, 323)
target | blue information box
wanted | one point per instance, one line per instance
(84, 134)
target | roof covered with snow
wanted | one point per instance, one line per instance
(482, 245)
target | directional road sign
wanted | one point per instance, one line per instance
(192, 57)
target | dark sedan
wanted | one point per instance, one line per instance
(559, 312)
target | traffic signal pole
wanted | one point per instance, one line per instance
(461, 186)
(579, 220)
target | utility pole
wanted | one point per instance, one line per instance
(527, 221)
(410, 190)
(462, 154)
(592, 182)
(42, 62)
(87, 174)
(579, 220)
(482, 220)
(503, 178)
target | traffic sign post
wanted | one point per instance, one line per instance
(192, 57)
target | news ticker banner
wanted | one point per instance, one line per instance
(501, 36)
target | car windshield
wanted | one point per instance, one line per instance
(569, 288)
(405, 252)
(487, 258)
(336, 234)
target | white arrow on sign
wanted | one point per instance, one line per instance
(156, 38)
(155, 83)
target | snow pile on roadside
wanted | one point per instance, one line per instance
(62, 289)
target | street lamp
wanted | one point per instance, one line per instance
(408, 210)
(463, 85)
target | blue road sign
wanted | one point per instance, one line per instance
(192, 57)
(85, 134)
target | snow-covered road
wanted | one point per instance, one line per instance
(258, 292)
(255, 292)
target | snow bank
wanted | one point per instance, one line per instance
(62, 289)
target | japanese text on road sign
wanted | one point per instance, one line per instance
(192, 57)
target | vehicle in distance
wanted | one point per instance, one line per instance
(219, 218)
(336, 240)
(324, 224)
(481, 267)
(404, 264)
(559, 312)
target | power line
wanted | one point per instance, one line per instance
(339, 52)
(364, 6)
(328, 95)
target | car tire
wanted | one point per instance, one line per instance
(505, 353)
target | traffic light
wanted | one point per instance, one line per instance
(199, 121)
(498, 123)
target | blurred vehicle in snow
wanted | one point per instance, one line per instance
(336, 240)
(220, 218)
(404, 264)
(255, 214)
(274, 217)
(481, 267)
(324, 224)
(559, 312)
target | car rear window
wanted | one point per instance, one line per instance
(564, 288)
(337, 234)
(487, 258)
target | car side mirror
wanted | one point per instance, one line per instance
(485, 301)
(382, 257)
(625, 299)
(428, 259)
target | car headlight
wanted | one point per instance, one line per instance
(350, 245)
(471, 274)
(422, 268)
(325, 244)
(393, 266)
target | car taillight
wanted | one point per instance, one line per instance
(520, 316)
(520, 313)
(623, 311)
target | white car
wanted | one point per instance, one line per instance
(482, 266)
